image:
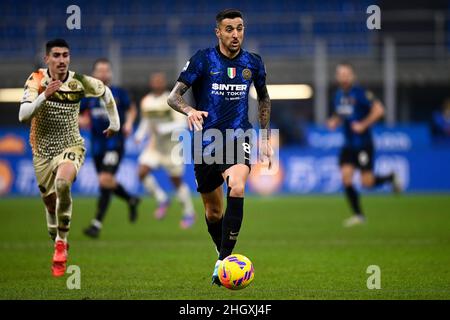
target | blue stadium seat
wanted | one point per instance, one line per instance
(144, 27)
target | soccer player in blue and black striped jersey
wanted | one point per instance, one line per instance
(220, 78)
(108, 152)
(357, 110)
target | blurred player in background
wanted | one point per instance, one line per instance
(108, 152)
(52, 102)
(357, 110)
(441, 122)
(220, 78)
(159, 120)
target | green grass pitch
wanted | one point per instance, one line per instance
(297, 244)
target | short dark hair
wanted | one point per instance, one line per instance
(56, 43)
(346, 64)
(228, 14)
(100, 60)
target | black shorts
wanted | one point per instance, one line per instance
(360, 158)
(209, 176)
(108, 161)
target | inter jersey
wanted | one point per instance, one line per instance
(351, 106)
(100, 122)
(221, 86)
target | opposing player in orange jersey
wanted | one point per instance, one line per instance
(51, 101)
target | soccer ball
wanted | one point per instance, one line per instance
(236, 272)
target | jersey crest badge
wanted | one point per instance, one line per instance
(246, 74)
(231, 73)
(73, 85)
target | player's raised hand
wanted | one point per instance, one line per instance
(195, 119)
(109, 132)
(332, 123)
(358, 127)
(52, 87)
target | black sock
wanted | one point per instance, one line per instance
(121, 192)
(103, 203)
(379, 180)
(215, 230)
(353, 198)
(232, 221)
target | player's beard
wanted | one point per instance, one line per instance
(61, 70)
(58, 73)
(234, 49)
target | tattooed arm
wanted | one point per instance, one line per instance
(264, 107)
(177, 102)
